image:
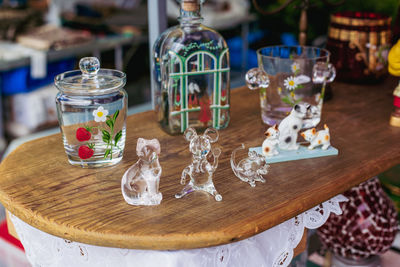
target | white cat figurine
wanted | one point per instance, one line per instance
(271, 141)
(291, 125)
(320, 138)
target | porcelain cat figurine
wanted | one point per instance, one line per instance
(250, 169)
(269, 145)
(204, 163)
(320, 138)
(291, 125)
(140, 183)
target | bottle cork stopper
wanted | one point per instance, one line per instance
(190, 5)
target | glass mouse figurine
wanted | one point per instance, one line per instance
(204, 163)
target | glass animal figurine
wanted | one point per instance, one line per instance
(204, 163)
(140, 183)
(250, 169)
(191, 74)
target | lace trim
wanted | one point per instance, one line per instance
(273, 247)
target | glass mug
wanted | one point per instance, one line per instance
(289, 75)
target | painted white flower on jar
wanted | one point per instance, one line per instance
(295, 67)
(100, 114)
(290, 83)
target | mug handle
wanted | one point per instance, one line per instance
(256, 78)
(323, 72)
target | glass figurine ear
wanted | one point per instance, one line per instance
(140, 183)
(204, 163)
(250, 169)
(256, 78)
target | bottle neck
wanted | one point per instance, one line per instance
(190, 15)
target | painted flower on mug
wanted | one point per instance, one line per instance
(295, 67)
(290, 83)
(100, 114)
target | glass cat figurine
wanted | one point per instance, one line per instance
(204, 163)
(250, 169)
(140, 183)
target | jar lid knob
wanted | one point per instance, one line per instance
(89, 66)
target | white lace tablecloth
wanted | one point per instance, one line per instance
(273, 247)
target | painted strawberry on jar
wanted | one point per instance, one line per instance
(83, 134)
(86, 151)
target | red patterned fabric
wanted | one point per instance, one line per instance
(367, 226)
(396, 101)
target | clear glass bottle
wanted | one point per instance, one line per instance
(91, 107)
(191, 72)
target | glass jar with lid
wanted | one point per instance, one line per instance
(91, 107)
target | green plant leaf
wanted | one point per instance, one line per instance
(107, 152)
(287, 101)
(297, 101)
(105, 133)
(110, 123)
(118, 137)
(115, 115)
(106, 136)
(322, 93)
(300, 86)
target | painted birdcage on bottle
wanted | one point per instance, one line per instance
(191, 74)
(199, 89)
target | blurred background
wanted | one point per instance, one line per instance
(42, 38)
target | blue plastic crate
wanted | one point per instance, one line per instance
(20, 81)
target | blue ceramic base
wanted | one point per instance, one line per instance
(302, 153)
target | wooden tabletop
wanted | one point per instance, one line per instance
(39, 186)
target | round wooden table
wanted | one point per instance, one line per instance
(38, 185)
